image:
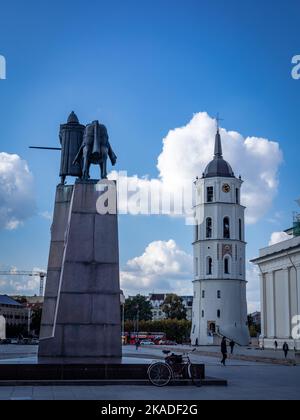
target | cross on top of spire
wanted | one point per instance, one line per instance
(218, 167)
(218, 120)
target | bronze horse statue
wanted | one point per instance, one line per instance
(95, 149)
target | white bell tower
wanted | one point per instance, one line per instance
(220, 305)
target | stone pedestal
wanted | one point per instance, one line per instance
(81, 316)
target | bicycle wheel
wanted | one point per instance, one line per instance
(160, 374)
(195, 375)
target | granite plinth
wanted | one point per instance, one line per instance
(81, 316)
(131, 372)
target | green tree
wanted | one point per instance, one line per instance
(253, 332)
(254, 329)
(36, 319)
(173, 307)
(250, 321)
(138, 306)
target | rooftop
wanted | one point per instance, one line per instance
(6, 300)
(157, 296)
(283, 246)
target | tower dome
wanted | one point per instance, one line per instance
(218, 166)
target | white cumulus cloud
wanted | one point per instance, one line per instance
(187, 150)
(163, 267)
(277, 237)
(17, 201)
(47, 215)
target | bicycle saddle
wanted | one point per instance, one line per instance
(166, 351)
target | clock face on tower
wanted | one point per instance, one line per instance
(226, 188)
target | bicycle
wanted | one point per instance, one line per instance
(174, 367)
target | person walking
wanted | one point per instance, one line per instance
(232, 345)
(224, 351)
(137, 344)
(276, 345)
(286, 349)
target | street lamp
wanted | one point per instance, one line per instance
(137, 321)
(29, 319)
(123, 300)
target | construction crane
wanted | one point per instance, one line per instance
(41, 274)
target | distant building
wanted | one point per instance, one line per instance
(15, 314)
(256, 318)
(35, 300)
(157, 301)
(280, 291)
(188, 304)
(31, 302)
(122, 298)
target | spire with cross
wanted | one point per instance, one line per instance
(218, 143)
(218, 120)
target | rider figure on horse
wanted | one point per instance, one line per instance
(95, 149)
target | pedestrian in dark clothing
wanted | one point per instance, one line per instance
(276, 345)
(137, 344)
(232, 344)
(224, 351)
(285, 349)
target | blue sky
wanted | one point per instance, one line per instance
(145, 68)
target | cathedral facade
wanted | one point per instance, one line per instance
(279, 267)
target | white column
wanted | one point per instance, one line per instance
(287, 303)
(274, 305)
(263, 305)
(270, 301)
(298, 289)
(290, 301)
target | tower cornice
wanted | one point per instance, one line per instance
(219, 202)
(218, 279)
(219, 240)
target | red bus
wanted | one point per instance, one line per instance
(155, 337)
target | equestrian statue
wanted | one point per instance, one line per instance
(95, 149)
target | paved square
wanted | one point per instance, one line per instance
(247, 380)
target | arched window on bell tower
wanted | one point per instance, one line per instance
(237, 196)
(209, 227)
(197, 266)
(209, 263)
(226, 265)
(226, 228)
(240, 230)
(196, 232)
(210, 194)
